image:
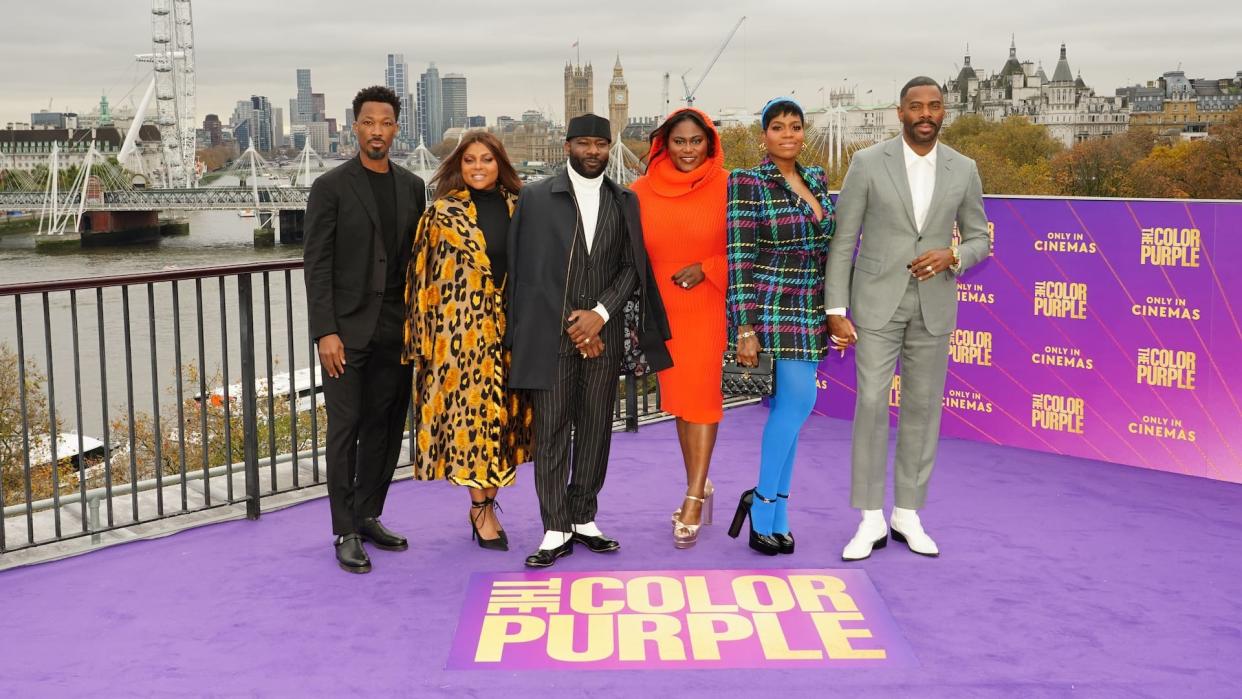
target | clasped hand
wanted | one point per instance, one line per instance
(584, 327)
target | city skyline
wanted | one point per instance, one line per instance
(1114, 44)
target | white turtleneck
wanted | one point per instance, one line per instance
(586, 192)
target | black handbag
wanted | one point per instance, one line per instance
(737, 380)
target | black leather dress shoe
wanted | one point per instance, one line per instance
(373, 531)
(351, 556)
(786, 541)
(597, 544)
(546, 557)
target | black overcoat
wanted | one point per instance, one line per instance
(540, 236)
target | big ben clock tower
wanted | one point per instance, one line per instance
(618, 101)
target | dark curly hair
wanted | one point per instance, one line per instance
(377, 93)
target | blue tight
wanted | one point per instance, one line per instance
(790, 407)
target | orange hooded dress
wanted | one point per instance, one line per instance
(683, 216)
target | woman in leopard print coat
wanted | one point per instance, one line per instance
(470, 428)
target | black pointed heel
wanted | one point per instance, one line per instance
(501, 542)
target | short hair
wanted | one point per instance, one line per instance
(661, 133)
(448, 176)
(920, 81)
(377, 93)
(781, 108)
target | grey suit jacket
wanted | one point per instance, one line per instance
(876, 197)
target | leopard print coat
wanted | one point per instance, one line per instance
(470, 427)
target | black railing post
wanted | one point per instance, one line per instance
(250, 428)
(631, 402)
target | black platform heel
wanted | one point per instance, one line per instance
(785, 539)
(763, 543)
(501, 542)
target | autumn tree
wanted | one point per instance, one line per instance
(1101, 167)
(15, 436)
(743, 146)
(1013, 156)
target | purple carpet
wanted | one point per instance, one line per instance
(1059, 577)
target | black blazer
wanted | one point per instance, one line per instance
(344, 251)
(540, 236)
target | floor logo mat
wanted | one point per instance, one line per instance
(668, 619)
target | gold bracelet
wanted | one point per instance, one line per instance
(748, 333)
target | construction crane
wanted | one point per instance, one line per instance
(664, 96)
(690, 91)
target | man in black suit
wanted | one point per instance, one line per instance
(360, 222)
(576, 256)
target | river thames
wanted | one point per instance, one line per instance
(216, 238)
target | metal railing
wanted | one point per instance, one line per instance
(200, 199)
(204, 417)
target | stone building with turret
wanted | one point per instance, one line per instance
(1064, 104)
(579, 91)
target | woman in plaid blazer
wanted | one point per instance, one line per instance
(779, 222)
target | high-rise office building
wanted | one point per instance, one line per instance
(213, 127)
(261, 129)
(318, 106)
(278, 127)
(303, 111)
(454, 92)
(397, 78)
(430, 106)
(242, 123)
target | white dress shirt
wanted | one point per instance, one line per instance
(921, 176)
(586, 192)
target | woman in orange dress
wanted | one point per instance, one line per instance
(683, 198)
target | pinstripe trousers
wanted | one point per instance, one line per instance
(578, 409)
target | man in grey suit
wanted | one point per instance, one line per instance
(901, 291)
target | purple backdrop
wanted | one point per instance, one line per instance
(1098, 328)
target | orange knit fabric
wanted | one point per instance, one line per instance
(683, 216)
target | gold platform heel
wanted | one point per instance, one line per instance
(685, 535)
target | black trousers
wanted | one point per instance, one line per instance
(367, 408)
(581, 402)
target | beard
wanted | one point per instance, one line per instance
(916, 137)
(580, 166)
(376, 153)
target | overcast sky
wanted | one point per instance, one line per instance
(513, 53)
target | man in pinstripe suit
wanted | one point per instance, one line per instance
(576, 256)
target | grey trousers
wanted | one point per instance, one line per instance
(924, 362)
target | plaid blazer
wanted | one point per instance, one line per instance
(776, 252)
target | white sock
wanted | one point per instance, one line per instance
(903, 513)
(873, 515)
(588, 529)
(553, 539)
